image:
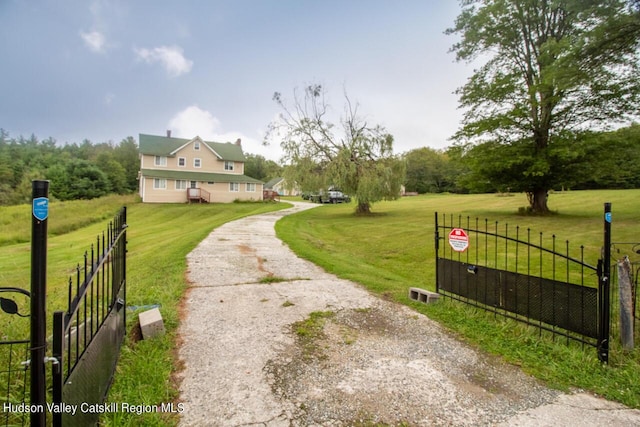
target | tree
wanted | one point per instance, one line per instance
(429, 171)
(556, 68)
(115, 172)
(358, 159)
(256, 166)
(126, 153)
(78, 179)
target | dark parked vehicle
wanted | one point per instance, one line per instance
(331, 196)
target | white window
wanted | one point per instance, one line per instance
(234, 186)
(159, 184)
(161, 161)
(251, 187)
(228, 166)
(181, 184)
(193, 184)
(197, 163)
(182, 161)
(196, 146)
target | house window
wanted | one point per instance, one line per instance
(161, 161)
(197, 163)
(234, 186)
(159, 184)
(196, 146)
(228, 166)
(181, 184)
(251, 187)
(182, 161)
(193, 184)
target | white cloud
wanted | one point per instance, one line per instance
(108, 98)
(171, 58)
(94, 40)
(194, 121)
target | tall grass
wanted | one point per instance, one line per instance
(64, 217)
(393, 249)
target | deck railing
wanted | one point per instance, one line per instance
(199, 194)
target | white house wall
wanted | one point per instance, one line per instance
(219, 192)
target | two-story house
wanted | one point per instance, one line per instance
(177, 170)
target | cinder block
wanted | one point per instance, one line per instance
(151, 323)
(422, 295)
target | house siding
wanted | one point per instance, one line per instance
(211, 162)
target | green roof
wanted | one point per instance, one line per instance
(198, 176)
(164, 146)
(273, 182)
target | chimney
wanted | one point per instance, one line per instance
(239, 142)
(168, 133)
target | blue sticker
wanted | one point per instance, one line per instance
(41, 208)
(607, 217)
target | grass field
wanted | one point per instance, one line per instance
(393, 249)
(387, 252)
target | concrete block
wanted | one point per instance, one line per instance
(418, 294)
(151, 323)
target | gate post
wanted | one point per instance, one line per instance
(604, 309)
(437, 243)
(40, 213)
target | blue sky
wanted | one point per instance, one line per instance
(106, 69)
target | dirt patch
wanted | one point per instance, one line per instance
(247, 250)
(386, 366)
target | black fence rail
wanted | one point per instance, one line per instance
(14, 380)
(519, 274)
(87, 337)
(14, 366)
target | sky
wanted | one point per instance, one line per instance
(104, 70)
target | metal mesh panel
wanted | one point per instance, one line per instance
(564, 305)
(91, 377)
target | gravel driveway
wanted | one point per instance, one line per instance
(249, 360)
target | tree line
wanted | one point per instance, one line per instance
(593, 160)
(596, 160)
(76, 171)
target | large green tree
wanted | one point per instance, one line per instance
(429, 171)
(258, 167)
(554, 68)
(356, 157)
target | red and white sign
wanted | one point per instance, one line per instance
(458, 240)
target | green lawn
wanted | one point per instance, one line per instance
(393, 249)
(388, 252)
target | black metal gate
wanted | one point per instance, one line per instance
(513, 274)
(87, 337)
(14, 371)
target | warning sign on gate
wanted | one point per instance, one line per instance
(459, 240)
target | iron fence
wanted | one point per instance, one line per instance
(87, 337)
(14, 377)
(522, 275)
(14, 355)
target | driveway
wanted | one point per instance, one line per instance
(269, 339)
